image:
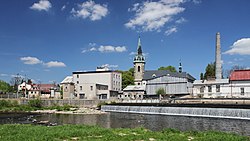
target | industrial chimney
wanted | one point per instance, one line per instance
(218, 71)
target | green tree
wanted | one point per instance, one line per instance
(170, 68)
(5, 87)
(127, 77)
(210, 71)
(160, 92)
(201, 76)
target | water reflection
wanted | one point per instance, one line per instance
(128, 120)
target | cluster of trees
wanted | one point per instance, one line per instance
(5, 87)
(210, 71)
(170, 68)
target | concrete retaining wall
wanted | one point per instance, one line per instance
(61, 102)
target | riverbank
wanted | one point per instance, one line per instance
(71, 111)
(35, 106)
(19, 132)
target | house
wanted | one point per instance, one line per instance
(100, 84)
(30, 90)
(237, 86)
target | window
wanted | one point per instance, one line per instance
(81, 96)
(77, 76)
(80, 88)
(202, 89)
(217, 88)
(77, 82)
(91, 88)
(139, 68)
(209, 88)
(242, 91)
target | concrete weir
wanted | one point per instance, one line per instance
(229, 113)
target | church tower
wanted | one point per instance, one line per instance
(139, 65)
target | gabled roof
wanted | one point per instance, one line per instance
(239, 75)
(152, 74)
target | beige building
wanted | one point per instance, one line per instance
(99, 84)
(67, 87)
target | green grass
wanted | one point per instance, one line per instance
(17, 132)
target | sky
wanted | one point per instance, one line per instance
(47, 40)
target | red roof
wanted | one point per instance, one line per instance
(240, 75)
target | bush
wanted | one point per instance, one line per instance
(5, 103)
(37, 103)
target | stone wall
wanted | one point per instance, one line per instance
(61, 102)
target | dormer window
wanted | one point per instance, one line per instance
(153, 75)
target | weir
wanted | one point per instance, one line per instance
(182, 111)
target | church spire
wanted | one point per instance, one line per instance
(139, 50)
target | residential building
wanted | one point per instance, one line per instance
(99, 84)
(237, 86)
(30, 90)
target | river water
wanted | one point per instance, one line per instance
(128, 120)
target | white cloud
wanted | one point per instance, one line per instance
(92, 49)
(54, 64)
(106, 49)
(151, 16)
(110, 66)
(241, 47)
(30, 60)
(41, 5)
(196, 1)
(92, 44)
(181, 20)
(91, 10)
(63, 7)
(171, 30)
(4, 75)
(34, 60)
(112, 49)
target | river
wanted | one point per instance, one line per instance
(129, 120)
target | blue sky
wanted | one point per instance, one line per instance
(46, 40)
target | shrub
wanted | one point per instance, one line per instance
(37, 103)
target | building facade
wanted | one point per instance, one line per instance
(68, 88)
(237, 86)
(147, 82)
(99, 84)
(174, 83)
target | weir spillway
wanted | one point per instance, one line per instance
(230, 113)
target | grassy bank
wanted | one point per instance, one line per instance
(32, 105)
(91, 133)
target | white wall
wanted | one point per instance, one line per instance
(87, 80)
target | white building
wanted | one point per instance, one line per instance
(99, 84)
(237, 86)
